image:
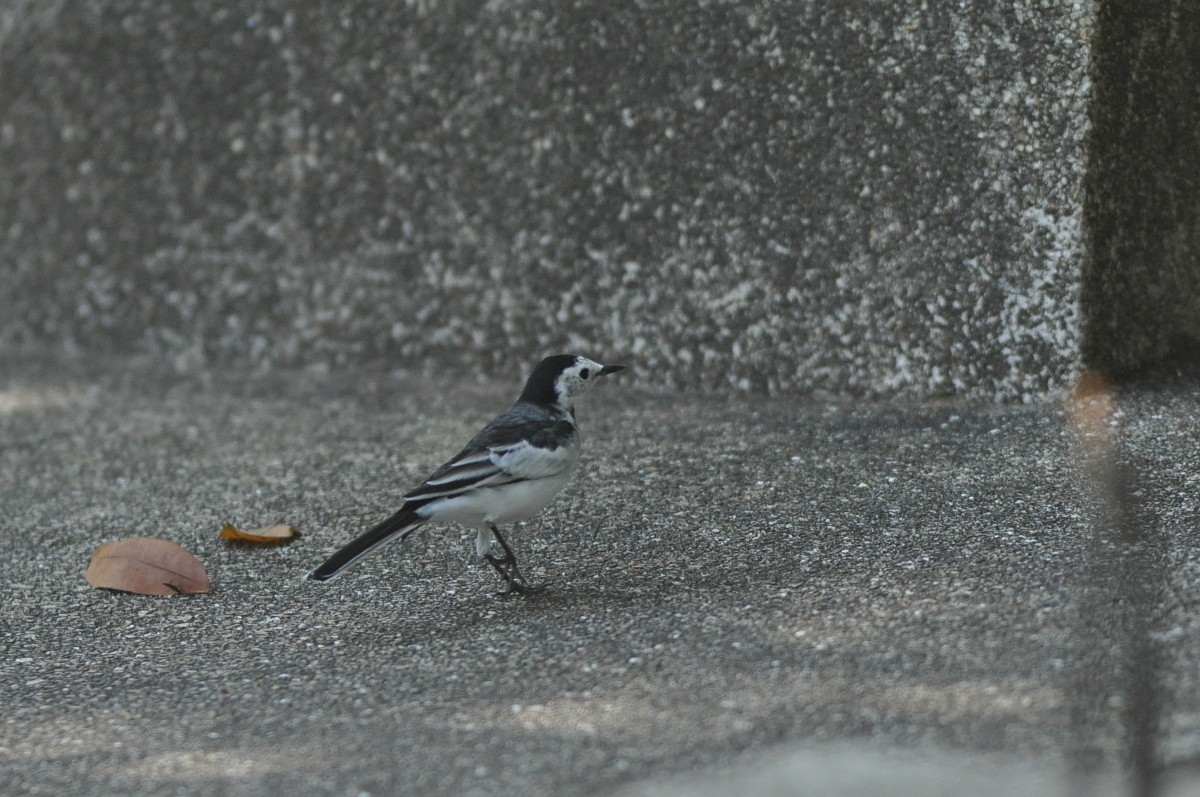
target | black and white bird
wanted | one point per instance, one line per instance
(508, 472)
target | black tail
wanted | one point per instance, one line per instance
(394, 529)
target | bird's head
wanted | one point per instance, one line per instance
(561, 379)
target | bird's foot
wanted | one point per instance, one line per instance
(521, 588)
(506, 566)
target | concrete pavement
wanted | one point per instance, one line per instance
(732, 577)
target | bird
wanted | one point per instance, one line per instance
(508, 472)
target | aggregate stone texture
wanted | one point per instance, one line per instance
(732, 577)
(867, 198)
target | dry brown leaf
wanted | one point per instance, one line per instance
(279, 532)
(147, 566)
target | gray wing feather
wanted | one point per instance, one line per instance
(521, 444)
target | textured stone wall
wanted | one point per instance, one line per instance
(869, 197)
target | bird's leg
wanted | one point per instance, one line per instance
(516, 579)
(504, 567)
(507, 567)
(501, 566)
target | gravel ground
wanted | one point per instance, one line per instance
(733, 577)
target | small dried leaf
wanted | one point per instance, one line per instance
(279, 532)
(147, 566)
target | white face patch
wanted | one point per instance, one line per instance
(576, 380)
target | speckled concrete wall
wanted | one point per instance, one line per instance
(869, 197)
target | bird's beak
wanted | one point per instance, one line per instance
(611, 369)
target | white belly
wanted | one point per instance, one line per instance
(499, 505)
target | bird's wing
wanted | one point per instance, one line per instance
(524, 443)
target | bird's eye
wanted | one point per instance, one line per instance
(584, 374)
